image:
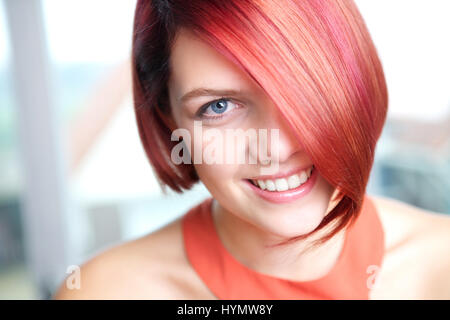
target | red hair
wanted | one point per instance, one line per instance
(315, 59)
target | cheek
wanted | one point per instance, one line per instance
(218, 177)
(209, 150)
(221, 183)
(214, 171)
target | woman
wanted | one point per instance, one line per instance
(305, 230)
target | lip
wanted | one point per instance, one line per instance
(288, 195)
(282, 174)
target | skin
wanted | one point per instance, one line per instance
(242, 218)
(155, 267)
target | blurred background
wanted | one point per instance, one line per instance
(74, 178)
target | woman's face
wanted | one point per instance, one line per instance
(194, 64)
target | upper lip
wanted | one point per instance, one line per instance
(283, 174)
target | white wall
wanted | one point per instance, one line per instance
(413, 40)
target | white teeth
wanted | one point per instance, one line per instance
(284, 184)
(281, 184)
(308, 172)
(261, 184)
(270, 185)
(303, 177)
(293, 181)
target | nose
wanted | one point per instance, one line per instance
(281, 141)
(287, 144)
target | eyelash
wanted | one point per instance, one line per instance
(201, 112)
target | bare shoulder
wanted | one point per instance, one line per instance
(150, 267)
(417, 246)
(402, 220)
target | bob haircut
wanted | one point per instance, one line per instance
(315, 59)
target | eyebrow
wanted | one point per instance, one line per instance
(199, 92)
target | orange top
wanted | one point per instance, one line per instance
(227, 278)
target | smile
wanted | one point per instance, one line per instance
(282, 184)
(284, 189)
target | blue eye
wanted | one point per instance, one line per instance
(216, 109)
(219, 106)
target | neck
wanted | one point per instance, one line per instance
(297, 261)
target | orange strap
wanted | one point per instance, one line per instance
(227, 278)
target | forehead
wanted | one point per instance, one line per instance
(194, 63)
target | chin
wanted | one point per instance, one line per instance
(293, 223)
(295, 218)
